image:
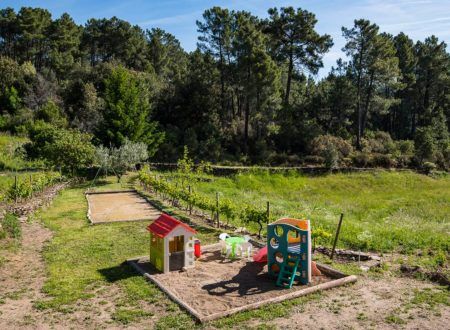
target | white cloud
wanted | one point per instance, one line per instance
(176, 19)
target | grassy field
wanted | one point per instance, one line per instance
(84, 260)
(85, 264)
(11, 155)
(384, 211)
(12, 161)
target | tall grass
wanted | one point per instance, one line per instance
(384, 211)
(11, 155)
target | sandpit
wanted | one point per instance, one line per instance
(216, 287)
(117, 206)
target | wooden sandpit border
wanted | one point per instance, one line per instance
(339, 280)
(87, 192)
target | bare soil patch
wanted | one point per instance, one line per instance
(119, 206)
(371, 303)
(22, 276)
(216, 287)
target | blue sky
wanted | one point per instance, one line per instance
(417, 18)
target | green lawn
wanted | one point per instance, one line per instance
(82, 258)
(384, 211)
(84, 261)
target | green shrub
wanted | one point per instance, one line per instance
(315, 160)
(25, 188)
(404, 161)
(361, 159)
(425, 145)
(11, 226)
(383, 160)
(320, 144)
(428, 167)
(380, 143)
(405, 147)
(331, 156)
(280, 159)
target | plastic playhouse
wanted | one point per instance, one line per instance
(289, 251)
(172, 244)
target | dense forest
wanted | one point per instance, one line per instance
(247, 95)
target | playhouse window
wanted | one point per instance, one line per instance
(176, 244)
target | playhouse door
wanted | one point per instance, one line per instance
(176, 261)
(176, 249)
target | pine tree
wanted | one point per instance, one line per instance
(297, 42)
(127, 112)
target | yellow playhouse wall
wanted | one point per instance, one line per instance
(157, 252)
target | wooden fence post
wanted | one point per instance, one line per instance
(336, 237)
(268, 211)
(31, 185)
(190, 204)
(15, 189)
(217, 209)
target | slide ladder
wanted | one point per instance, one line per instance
(288, 270)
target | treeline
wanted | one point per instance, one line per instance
(247, 94)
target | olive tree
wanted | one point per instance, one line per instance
(121, 159)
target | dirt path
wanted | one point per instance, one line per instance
(22, 277)
(384, 303)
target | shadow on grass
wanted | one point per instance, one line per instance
(118, 273)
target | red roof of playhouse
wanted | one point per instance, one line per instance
(165, 224)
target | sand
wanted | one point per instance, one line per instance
(119, 206)
(216, 285)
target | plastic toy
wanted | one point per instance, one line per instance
(289, 251)
(171, 244)
(235, 246)
(261, 255)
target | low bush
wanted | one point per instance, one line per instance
(360, 159)
(283, 159)
(10, 225)
(383, 160)
(380, 142)
(323, 142)
(405, 147)
(428, 167)
(314, 160)
(404, 161)
(23, 189)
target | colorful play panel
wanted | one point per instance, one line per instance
(289, 251)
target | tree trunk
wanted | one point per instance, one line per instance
(289, 79)
(367, 105)
(246, 124)
(358, 99)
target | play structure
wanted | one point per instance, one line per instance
(171, 244)
(215, 288)
(288, 251)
